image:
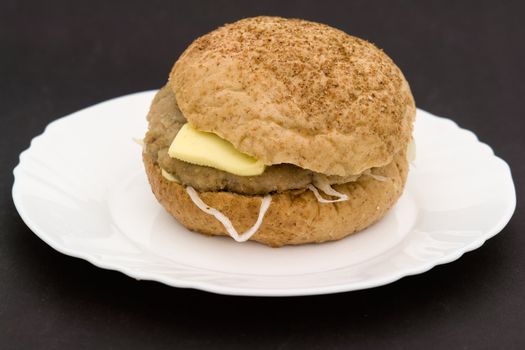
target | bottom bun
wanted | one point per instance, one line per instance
(294, 217)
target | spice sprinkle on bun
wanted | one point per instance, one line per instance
(281, 131)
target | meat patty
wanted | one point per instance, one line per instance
(166, 119)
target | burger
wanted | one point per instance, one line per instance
(280, 131)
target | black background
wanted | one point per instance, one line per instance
(464, 60)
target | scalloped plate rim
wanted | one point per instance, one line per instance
(214, 288)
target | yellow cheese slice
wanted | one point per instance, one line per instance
(207, 149)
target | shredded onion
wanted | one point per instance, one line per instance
(377, 177)
(331, 192)
(411, 151)
(139, 142)
(265, 204)
(168, 176)
(321, 182)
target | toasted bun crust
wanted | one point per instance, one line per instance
(294, 217)
(299, 92)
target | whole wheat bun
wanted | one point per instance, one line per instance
(298, 92)
(294, 217)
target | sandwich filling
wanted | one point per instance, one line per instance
(203, 162)
(165, 122)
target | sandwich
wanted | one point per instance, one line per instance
(280, 131)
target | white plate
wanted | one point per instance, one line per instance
(81, 188)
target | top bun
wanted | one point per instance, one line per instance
(299, 92)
